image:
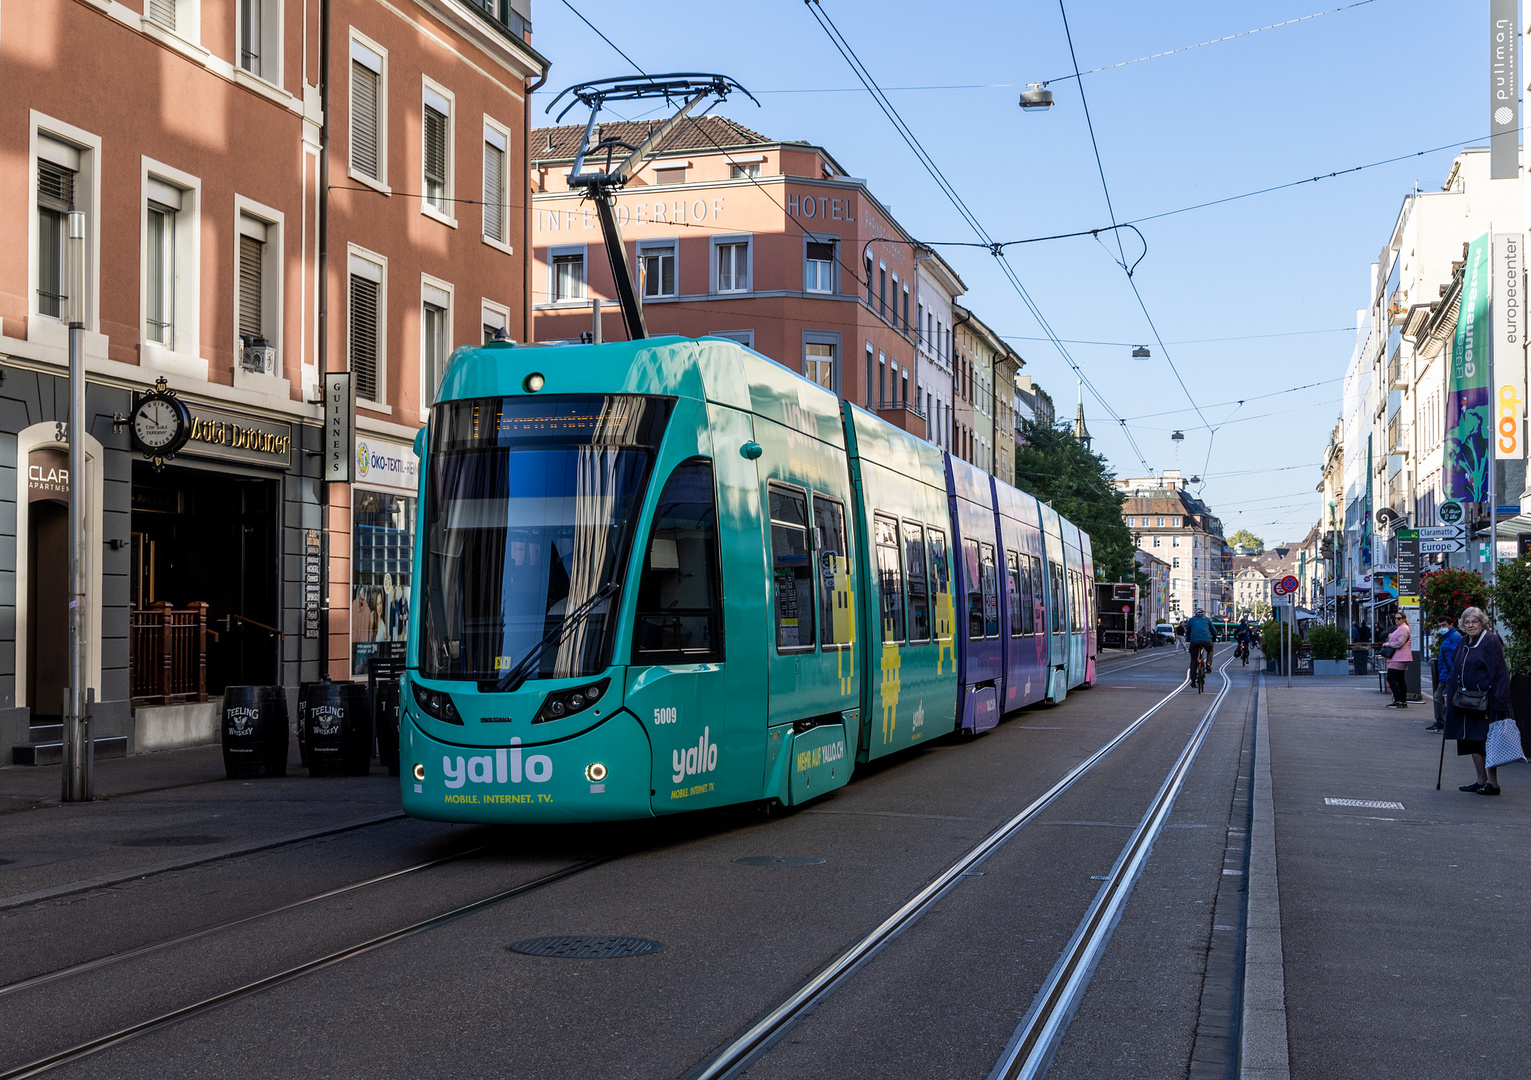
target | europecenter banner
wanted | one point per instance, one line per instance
(1508, 396)
(1468, 452)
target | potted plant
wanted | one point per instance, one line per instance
(1329, 649)
(1271, 635)
(1447, 592)
(1512, 598)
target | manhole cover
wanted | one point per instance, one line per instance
(171, 841)
(780, 860)
(587, 947)
(1365, 803)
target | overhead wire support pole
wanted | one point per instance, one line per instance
(601, 187)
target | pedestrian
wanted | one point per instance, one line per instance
(1478, 673)
(1179, 636)
(1445, 651)
(1399, 661)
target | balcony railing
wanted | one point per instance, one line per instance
(167, 654)
(898, 405)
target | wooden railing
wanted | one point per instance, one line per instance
(167, 650)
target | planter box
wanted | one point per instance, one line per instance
(1331, 667)
(1270, 667)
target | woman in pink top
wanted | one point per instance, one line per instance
(1399, 661)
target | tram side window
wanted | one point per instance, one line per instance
(1028, 611)
(1058, 599)
(975, 590)
(1013, 590)
(834, 559)
(1076, 605)
(791, 569)
(919, 595)
(890, 578)
(679, 617)
(1038, 596)
(990, 593)
(940, 584)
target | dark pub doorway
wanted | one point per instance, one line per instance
(212, 537)
(47, 584)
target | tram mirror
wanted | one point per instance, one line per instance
(663, 554)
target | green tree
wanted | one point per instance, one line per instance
(1052, 465)
(1246, 539)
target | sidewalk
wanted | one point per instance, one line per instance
(1404, 926)
(157, 811)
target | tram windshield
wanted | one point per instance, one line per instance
(530, 509)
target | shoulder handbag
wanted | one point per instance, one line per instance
(1465, 700)
(1387, 652)
(1502, 745)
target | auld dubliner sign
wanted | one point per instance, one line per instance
(1508, 401)
(1467, 451)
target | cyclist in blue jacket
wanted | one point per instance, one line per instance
(1198, 635)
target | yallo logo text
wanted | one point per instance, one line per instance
(503, 766)
(701, 758)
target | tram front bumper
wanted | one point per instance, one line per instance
(600, 775)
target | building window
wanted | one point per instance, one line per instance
(169, 263)
(869, 280)
(178, 16)
(55, 199)
(260, 38)
(733, 263)
(743, 337)
(742, 172)
(819, 266)
(882, 290)
(656, 266)
(1161, 523)
(906, 309)
(159, 272)
(369, 113)
(819, 363)
(257, 296)
(894, 316)
(1176, 563)
(493, 318)
(882, 381)
(436, 150)
(568, 276)
(672, 174)
(1177, 523)
(366, 330)
(435, 338)
(495, 145)
(870, 402)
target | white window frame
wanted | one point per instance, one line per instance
(833, 339)
(367, 45)
(554, 252)
(434, 94)
(433, 290)
(362, 262)
(748, 240)
(657, 244)
(492, 313)
(832, 239)
(271, 43)
(743, 337)
(503, 132)
(273, 267)
(86, 146)
(182, 354)
(188, 23)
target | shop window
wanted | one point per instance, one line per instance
(656, 266)
(791, 569)
(369, 111)
(890, 577)
(836, 627)
(436, 151)
(679, 611)
(496, 143)
(382, 552)
(919, 591)
(260, 38)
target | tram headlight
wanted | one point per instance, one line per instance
(418, 772)
(595, 772)
(437, 705)
(562, 703)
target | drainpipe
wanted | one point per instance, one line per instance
(953, 364)
(322, 312)
(526, 256)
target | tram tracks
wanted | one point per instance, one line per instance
(758, 1039)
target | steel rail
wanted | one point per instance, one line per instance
(122, 1035)
(229, 924)
(1031, 1048)
(744, 1049)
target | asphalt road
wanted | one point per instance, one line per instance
(940, 1001)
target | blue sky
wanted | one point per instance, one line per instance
(1275, 279)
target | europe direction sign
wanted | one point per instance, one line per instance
(1442, 547)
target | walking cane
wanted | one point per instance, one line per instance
(1442, 768)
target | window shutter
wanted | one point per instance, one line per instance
(55, 187)
(251, 259)
(364, 324)
(494, 192)
(163, 12)
(365, 84)
(435, 148)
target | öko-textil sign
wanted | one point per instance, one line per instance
(387, 465)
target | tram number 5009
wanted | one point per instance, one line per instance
(665, 716)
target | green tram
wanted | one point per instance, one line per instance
(669, 574)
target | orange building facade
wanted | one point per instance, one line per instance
(239, 248)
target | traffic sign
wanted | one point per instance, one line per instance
(1442, 547)
(1286, 585)
(1440, 532)
(1450, 512)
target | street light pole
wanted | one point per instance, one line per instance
(79, 757)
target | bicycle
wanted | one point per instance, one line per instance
(1199, 668)
(1242, 652)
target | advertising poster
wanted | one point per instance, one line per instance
(1467, 451)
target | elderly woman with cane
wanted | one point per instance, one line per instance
(1477, 694)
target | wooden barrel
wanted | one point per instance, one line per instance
(254, 731)
(337, 728)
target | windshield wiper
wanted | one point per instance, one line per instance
(511, 681)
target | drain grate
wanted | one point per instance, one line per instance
(1368, 804)
(586, 947)
(171, 841)
(779, 860)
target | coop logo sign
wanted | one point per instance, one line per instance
(386, 464)
(503, 766)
